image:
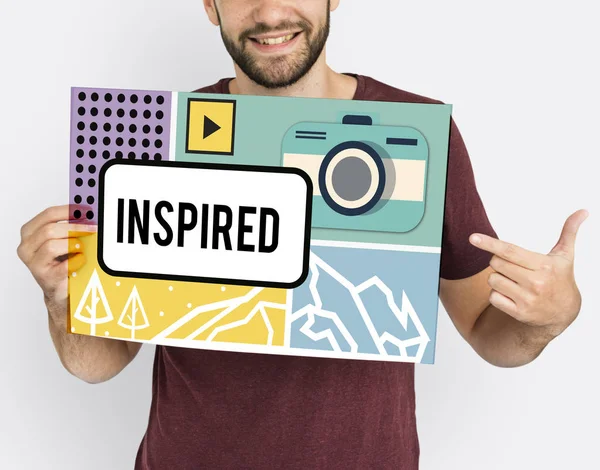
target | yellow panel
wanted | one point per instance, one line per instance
(105, 307)
(222, 113)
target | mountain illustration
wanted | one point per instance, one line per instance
(364, 318)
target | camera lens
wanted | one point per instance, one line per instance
(352, 178)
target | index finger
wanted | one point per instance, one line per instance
(508, 251)
(49, 215)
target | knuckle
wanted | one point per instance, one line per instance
(520, 312)
(49, 231)
(20, 253)
(510, 250)
(527, 303)
(49, 212)
(45, 252)
(538, 285)
(494, 298)
(547, 268)
(495, 262)
(53, 248)
(576, 302)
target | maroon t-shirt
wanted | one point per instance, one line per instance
(227, 410)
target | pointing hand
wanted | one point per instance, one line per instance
(536, 289)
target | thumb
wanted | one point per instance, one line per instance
(566, 243)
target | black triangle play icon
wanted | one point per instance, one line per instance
(210, 127)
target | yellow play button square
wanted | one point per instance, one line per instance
(211, 126)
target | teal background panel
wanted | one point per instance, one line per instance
(414, 274)
(261, 123)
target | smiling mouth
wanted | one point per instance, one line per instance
(272, 41)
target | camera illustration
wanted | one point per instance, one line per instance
(365, 177)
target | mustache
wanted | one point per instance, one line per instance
(263, 28)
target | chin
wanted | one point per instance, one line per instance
(281, 73)
(278, 81)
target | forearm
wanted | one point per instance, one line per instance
(503, 341)
(90, 358)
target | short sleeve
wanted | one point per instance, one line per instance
(464, 214)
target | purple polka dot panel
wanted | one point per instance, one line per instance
(109, 124)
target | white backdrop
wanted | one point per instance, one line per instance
(522, 77)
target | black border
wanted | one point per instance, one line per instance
(442, 237)
(187, 127)
(349, 144)
(212, 166)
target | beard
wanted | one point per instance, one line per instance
(284, 70)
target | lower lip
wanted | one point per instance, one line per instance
(276, 47)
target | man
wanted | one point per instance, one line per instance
(214, 409)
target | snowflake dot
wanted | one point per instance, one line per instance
(72, 329)
(161, 314)
(189, 305)
(170, 288)
(222, 288)
(118, 283)
(106, 333)
(74, 274)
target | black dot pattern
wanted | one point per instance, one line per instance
(113, 124)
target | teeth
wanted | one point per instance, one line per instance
(273, 41)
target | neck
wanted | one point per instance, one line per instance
(320, 82)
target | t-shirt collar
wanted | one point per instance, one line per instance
(358, 94)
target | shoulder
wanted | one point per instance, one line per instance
(370, 89)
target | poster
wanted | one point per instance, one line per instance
(295, 226)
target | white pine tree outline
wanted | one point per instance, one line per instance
(94, 288)
(134, 301)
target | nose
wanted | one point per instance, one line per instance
(273, 12)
